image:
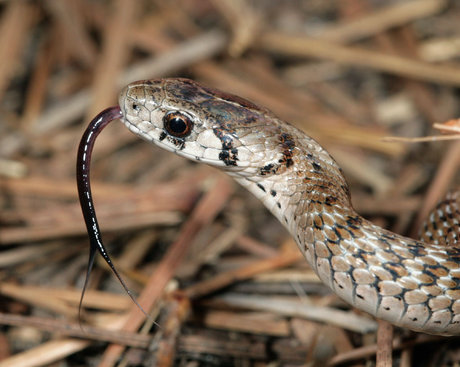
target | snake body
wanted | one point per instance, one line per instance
(409, 283)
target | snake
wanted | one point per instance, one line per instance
(410, 283)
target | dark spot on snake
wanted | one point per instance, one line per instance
(414, 249)
(340, 286)
(267, 169)
(286, 161)
(395, 269)
(316, 166)
(345, 229)
(336, 242)
(359, 296)
(436, 322)
(321, 187)
(227, 142)
(272, 192)
(319, 225)
(249, 120)
(228, 158)
(414, 319)
(337, 233)
(287, 143)
(261, 187)
(387, 236)
(179, 143)
(163, 135)
(229, 154)
(331, 200)
(354, 222)
(387, 308)
(285, 219)
(435, 271)
(278, 204)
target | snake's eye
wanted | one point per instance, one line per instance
(177, 124)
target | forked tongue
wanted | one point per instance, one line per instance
(86, 201)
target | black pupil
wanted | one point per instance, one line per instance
(177, 125)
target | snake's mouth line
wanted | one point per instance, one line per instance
(182, 152)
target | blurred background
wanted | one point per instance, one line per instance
(349, 73)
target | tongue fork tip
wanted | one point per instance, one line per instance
(86, 202)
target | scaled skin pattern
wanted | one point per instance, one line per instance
(409, 283)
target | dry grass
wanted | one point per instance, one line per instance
(223, 279)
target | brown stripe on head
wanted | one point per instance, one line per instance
(223, 107)
(191, 90)
(186, 90)
(233, 98)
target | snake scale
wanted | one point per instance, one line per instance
(410, 283)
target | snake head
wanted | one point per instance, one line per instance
(200, 123)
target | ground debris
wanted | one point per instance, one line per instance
(225, 284)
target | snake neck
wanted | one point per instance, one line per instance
(303, 188)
